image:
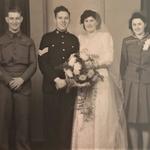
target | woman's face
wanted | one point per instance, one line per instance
(138, 26)
(90, 24)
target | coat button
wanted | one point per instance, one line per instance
(62, 42)
(63, 57)
(62, 36)
(53, 45)
(63, 50)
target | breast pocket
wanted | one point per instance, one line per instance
(22, 53)
(6, 52)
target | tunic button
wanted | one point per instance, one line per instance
(62, 42)
(57, 32)
(63, 57)
(63, 50)
(62, 36)
(72, 46)
(53, 45)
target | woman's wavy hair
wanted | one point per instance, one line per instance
(138, 15)
(91, 13)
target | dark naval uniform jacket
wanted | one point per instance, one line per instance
(55, 49)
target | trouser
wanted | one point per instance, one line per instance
(59, 107)
(14, 119)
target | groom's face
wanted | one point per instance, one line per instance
(62, 20)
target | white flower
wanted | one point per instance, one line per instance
(72, 61)
(89, 64)
(76, 72)
(82, 77)
(83, 55)
(90, 73)
(68, 72)
(77, 68)
(72, 55)
(146, 45)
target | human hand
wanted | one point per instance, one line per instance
(60, 83)
(16, 83)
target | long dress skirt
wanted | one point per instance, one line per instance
(105, 127)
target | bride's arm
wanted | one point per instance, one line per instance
(106, 58)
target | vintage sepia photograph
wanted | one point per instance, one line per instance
(74, 75)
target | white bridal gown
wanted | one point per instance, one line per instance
(106, 127)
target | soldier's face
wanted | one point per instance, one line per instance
(14, 20)
(62, 20)
(138, 26)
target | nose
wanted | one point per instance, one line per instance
(14, 21)
(63, 20)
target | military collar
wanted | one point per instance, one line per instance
(12, 35)
(61, 32)
(145, 36)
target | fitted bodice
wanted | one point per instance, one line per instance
(99, 44)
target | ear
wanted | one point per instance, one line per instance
(7, 19)
(21, 19)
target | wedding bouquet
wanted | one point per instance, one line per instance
(81, 70)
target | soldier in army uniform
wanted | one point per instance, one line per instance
(55, 49)
(17, 65)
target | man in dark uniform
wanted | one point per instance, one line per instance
(55, 49)
(17, 65)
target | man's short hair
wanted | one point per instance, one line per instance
(14, 9)
(61, 8)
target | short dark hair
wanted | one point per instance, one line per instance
(61, 8)
(14, 9)
(90, 13)
(137, 15)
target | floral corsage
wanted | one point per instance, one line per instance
(146, 45)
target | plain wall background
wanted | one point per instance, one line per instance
(115, 14)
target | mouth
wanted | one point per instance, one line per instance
(64, 24)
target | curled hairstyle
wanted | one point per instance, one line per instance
(91, 13)
(138, 15)
(61, 8)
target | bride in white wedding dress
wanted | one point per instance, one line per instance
(106, 128)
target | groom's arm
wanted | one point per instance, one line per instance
(46, 68)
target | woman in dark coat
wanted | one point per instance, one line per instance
(135, 73)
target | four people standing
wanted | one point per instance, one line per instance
(17, 65)
(55, 48)
(107, 127)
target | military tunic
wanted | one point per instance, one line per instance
(55, 49)
(17, 59)
(135, 73)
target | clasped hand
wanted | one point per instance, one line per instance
(73, 83)
(16, 83)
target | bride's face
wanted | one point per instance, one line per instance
(90, 24)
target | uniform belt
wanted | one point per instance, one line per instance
(138, 68)
(15, 68)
